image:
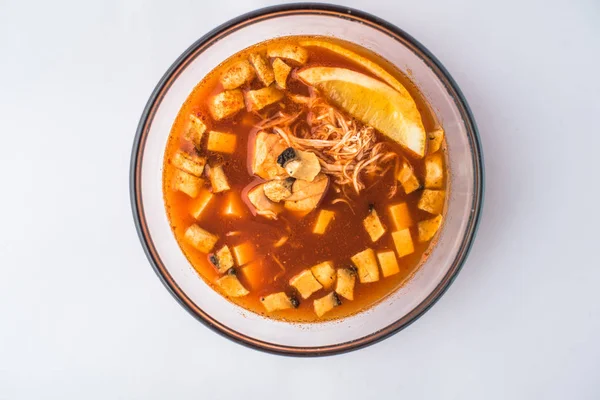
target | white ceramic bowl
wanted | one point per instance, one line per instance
(394, 312)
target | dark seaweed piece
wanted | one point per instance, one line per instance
(286, 156)
(336, 299)
(371, 207)
(295, 302)
(353, 269)
(214, 260)
(231, 271)
(289, 182)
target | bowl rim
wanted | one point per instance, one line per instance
(273, 12)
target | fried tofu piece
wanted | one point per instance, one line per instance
(373, 225)
(434, 171)
(201, 239)
(267, 147)
(306, 196)
(365, 261)
(432, 201)
(407, 179)
(260, 98)
(278, 189)
(237, 75)
(226, 104)
(400, 216)
(326, 304)
(200, 203)
(187, 183)
(231, 286)
(436, 138)
(388, 263)
(222, 260)
(190, 163)
(195, 130)
(324, 273)
(403, 242)
(221, 142)
(262, 205)
(282, 71)
(289, 52)
(233, 206)
(344, 285)
(305, 283)
(244, 253)
(323, 220)
(278, 301)
(428, 228)
(262, 68)
(303, 165)
(218, 179)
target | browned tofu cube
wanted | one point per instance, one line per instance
(195, 130)
(305, 283)
(231, 286)
(428, 228)
(432, 201)
(187, 183)
(221, 142)
(282, 71)
(237, 75)
(388, 263)
(407, 179)
(190, 163)
(262, 68)
(278, 189)
(403, 242)
(326, 304)
(436, 138)
(373, 225)
(202, 240)
(200, 203)
(278, 301)
(344, 285)
(366, 263)
(323, 220)
(260, 98)
(226, 104)
(324, 273)
(244, 253)
(222, 260)
(400, 216)
(434, 171)
(289, 52)
(218, 179)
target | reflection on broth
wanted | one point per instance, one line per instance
(305, 179)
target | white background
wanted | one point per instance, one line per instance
(83, 316)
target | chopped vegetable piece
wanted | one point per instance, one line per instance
(263, 69)
(199, 238)
(373, 225)
(231, 286)
(400, 216)
(432, 201)
(434, 171)
(221, 142)
(266, 149)
(326, 304)
(323, 220)
(238, 74)
(436, 138)
(403, 242)
(233, 206)
(388, 263)
(218, 179)
(289, 52)
(279, 189)
(226, 104)
(365, 261)
(244, 253)
(305, 283)
(407, 179)
(306, 196)
(187, 183)
(278, 301)
(325, 273)
(200, 203)
(304, 166)
(259, 99)
(195, 130)
(262, 204)
(344, 286)
(282, 71)
(428, 228)
(222, 259)
(189, 163)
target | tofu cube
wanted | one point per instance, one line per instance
(262, 68)
(231, 286)
(192, 164)
(237, 75)
(434, 171)
(428, 228)
(289, 52)
(344, 285)
(278, 189)
(407, 179)
(388, 263)
(258, 273)
(436, 138)
(217, 178)
(278, 301)
(326, 304)
(400, 216)
(323, 220)
(305, 283)
(282, 71)
(222, 260)
(403, 242)
(373, 225)
(221, 142)
(195, 130)
(244, 253)
(368, 270)
(324, 273)
(233, 206)
(432, 201)
(201, 239)
(260, 98)
(187, 183)
(226, 104)
(200, 203)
